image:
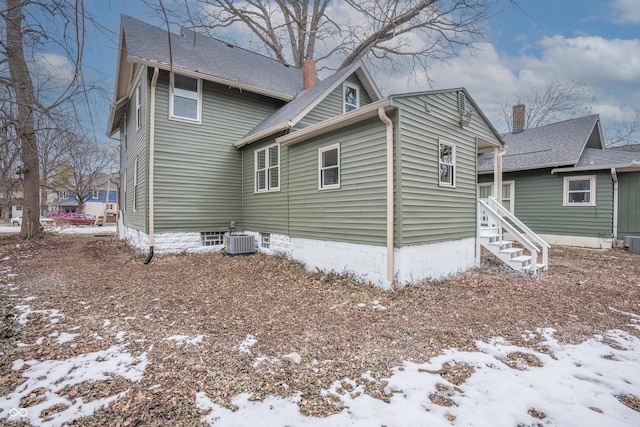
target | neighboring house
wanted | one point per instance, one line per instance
(565, 185)
(95, 204)
(328, 172)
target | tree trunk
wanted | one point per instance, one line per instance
(25, 127)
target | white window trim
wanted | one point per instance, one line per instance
(124, 195)
(512, 208)
(320, 151)
(267, 167)
(198, 98)
(455, 168)
(592, 190)
(137, 96)
(135, 186)
(344, 97)
(95, 194)
(124, 131)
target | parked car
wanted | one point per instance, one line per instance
(17, 221)
(83, 219)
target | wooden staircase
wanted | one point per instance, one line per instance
(530, 253)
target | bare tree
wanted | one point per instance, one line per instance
(34, 29)
(85, 169)
(624, 133)
(548, 104)
(340, 33)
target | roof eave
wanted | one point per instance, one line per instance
(335, 123)
(265, 133)
(209, 77)
(628, 167)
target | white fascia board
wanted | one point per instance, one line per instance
(210, 78)
(629, 167)
(263, 134)
(334, 123)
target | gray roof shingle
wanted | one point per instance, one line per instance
(304, 99)
(554, 145)
(205, 55)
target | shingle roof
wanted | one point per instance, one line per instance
(195, 52)
(304, 99)
(554, 145)
(593, 157)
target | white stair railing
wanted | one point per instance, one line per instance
(497, 215)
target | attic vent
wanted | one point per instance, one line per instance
(462, 103)
(465, 113)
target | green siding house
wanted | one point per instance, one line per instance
(566, 186)
(328, 172)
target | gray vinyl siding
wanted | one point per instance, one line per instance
(197, 169)
(356, 212)
(332, 105)
(430, 212)
(136, 148)
(629, 204)
(539, 204)
(265, 212)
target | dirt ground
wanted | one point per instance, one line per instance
(322, 317)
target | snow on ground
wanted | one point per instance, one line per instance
(575, 385)
(553, 384)
(52, 381)
(105, 229)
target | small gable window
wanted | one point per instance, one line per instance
(580, 190)
(185, 98)
(329, 167)
(351, 97)
(267, 168)
(447, 163)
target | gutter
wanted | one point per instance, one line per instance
(262, 134)
(210, 78)
(634, 165)
(614, 177)
(390, 196)
(152, 144)
(334, 123)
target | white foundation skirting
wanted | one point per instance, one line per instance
(366, 262)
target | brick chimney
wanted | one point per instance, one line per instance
(308, 73)
(518, 118)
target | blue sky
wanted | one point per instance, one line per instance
(538, 42)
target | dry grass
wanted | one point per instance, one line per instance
(287, 309)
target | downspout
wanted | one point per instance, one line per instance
(614, 176)
(152, 141)
(390, 195)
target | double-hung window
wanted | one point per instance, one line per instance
(329, 167)
(447, 164)
(580, 190)
(185, 98)
(351, 97)
(135, 185)
(267, 168)
(138, 97)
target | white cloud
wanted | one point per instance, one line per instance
(626, 11)
(52, 71)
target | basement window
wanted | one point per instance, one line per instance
(265, 240)
(212, 238)
(579, 190)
